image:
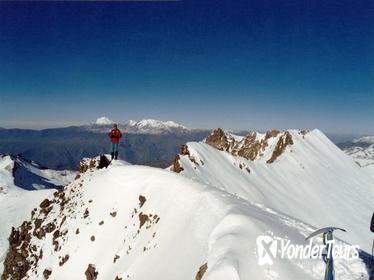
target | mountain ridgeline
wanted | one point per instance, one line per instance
(147, 142)
(202, 221)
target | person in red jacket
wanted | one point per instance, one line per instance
(114, 135)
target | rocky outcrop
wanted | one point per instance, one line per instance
(176, 167)
(184, 150)
(252, 146)
(249, 147)
(91, 273)
(16, 263)
(48, 228)
(283, 142)
(87, 163)
(201, 272)
(22, 256)
(220, 140)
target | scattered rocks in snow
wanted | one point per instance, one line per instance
(149, 219)
(77, 231)
(87, 164)
(45, 203)
(201, 272)
(303, 132)
(142, 200)
(91, 273)
(47, 273)
(243, 166)
(113, 214)
(143, 218)
(116, 257)
(63, 220)
(101, 223)
(55, 243)
(33, 213)
(50, 227)
(64, 259)
(86, 213)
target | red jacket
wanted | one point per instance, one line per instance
(114, 135)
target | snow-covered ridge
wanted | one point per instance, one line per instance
(19, 173)
(307, 179)
(136, 222)
(23, 185)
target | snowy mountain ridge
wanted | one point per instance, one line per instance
(299, 173)
(153, 126)
(145, 126)
(136, 222)
(23, 185)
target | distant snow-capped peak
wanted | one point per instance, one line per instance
(365, 139)
(154, 126)
(151, 123)
(103, 121)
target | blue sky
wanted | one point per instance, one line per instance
(233, 64)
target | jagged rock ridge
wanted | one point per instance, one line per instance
(252, 145)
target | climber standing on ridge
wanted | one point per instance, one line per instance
(114, 135)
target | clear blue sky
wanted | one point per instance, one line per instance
(233, 64)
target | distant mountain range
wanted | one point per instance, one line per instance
(146, 126)
(362, 151)
(149, 142)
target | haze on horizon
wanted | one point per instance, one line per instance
(248, 65)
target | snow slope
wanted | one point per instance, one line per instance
(312, 180)
(141, 223)
(19, 181)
